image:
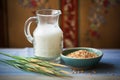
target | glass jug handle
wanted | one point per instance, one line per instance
(27, 28)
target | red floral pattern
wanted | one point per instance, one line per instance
(70, 22)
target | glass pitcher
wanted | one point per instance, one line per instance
(47, 38)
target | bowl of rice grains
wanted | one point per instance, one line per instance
(81, 57)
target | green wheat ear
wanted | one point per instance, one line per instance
(36, 65)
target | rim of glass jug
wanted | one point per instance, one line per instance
(45, 12)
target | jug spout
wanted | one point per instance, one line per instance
(57, 12)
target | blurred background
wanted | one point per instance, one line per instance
(85, 23)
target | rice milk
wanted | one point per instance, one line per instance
(48, 41)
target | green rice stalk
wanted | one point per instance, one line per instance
(36, 65)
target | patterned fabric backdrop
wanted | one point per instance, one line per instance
(70, 22)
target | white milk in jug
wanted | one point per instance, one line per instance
(48, 41)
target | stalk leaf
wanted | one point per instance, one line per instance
(14, 57)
